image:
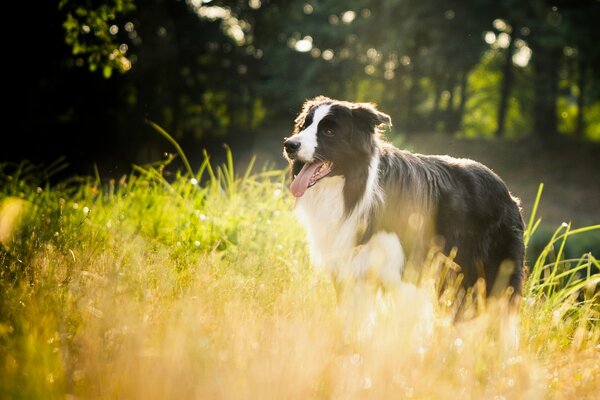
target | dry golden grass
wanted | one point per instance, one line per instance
(149, 289)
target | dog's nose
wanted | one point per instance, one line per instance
(291, 146)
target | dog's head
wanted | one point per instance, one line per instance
(331, 137)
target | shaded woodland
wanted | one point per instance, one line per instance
(221, 71)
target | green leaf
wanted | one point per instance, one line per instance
(107, 71)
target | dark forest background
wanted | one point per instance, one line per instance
(211, 72)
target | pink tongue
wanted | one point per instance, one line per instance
(302, 180)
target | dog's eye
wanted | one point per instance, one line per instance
(328, 129)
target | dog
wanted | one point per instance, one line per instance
(373, 211)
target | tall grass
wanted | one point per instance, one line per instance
(148, 287)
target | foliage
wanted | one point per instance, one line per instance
(208, 70)
(91, 32)
(156, 286)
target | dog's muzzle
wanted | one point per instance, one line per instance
(291, 147)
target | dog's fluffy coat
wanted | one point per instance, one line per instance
(372, 209)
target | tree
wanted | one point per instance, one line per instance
(511, 16)
(91, 32)
(584, 37)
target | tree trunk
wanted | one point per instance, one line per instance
(581, 82)
(435, 113)
(545, 69)
(450, 112)
(506, 86)
(457, 115)
(409, 116)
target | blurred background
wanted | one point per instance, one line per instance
(514, 84)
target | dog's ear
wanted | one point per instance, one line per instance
(367, 117)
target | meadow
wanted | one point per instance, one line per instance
(197, 284)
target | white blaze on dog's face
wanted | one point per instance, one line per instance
(308, 136)
(331, 138)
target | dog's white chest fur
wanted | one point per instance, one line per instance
(332, 237)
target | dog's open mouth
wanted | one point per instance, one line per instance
(310, 174)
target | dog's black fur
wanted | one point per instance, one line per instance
(458, 203)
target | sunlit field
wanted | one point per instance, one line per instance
(198, 285)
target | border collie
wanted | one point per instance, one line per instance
(373, 211)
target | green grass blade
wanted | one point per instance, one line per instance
(209, 167)
(530, 227)
(171, 140)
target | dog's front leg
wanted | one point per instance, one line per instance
(362, 277)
